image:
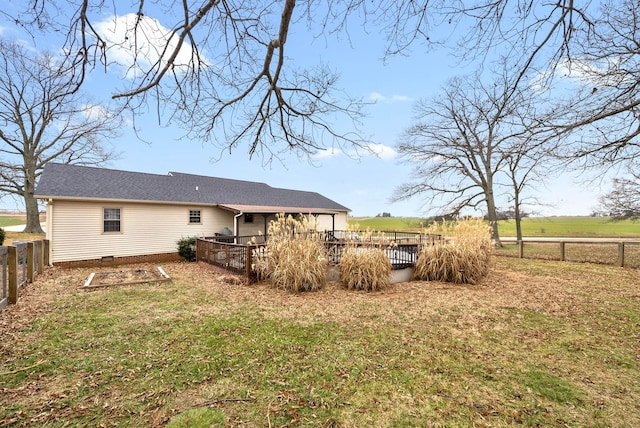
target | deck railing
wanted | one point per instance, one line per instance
(237, 253)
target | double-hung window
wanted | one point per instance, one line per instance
(111, 219)
(194, 216)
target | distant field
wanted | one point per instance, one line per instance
(535, 227)
(387, 223)
(11, 220)
(572, 226)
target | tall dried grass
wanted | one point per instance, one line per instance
(463, 257)
(365, 266)
(295, 258)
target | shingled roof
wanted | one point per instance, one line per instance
(82, 182)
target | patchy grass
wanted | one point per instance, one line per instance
(536, 343)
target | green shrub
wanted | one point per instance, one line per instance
(462, 257)
(187, 248)
(1, 236)
(295, 258)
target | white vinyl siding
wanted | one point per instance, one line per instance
(255, 228)
(326, 222)
(145, 229)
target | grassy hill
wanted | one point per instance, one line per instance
(572, 226)
(541, 226)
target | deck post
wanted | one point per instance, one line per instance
(249, 262)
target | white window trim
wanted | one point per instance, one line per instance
(199, 216)
(120, 210)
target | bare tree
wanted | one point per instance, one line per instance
(466, 140)
(524, 162)
(530, 154)
(623, 201)
(42, 119)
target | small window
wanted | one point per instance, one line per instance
(248, 218)
(111, 219)
(194, 216)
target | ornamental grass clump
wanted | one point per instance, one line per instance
(295, 258)
(462, 257)
(365, 266)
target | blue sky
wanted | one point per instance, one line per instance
(365, 184)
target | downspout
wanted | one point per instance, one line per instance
(236, 228)
(49, 234)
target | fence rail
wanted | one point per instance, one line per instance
(617, 253)
(20, 264)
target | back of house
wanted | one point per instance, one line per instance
(97, 215)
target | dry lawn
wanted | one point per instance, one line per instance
(436, 353)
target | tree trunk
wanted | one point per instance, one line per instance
(31, 205)
(492, 217)
(518, 219)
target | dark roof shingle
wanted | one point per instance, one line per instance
(82, 182)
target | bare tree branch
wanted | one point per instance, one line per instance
(43, 120)
(469, 136)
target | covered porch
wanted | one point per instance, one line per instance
(253, 220)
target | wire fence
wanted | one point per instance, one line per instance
(616, 253)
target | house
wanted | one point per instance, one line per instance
(105, 215)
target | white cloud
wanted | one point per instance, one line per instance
(383, 152)
(327, 153)
(92, 111)
(377, 97)
(137, 48)
(576, 71)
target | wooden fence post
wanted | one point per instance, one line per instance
(621, 254)
(40, 260)
(30, 261)
(562, 257)
(12, 268)
(520, 248)
(46, 250)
